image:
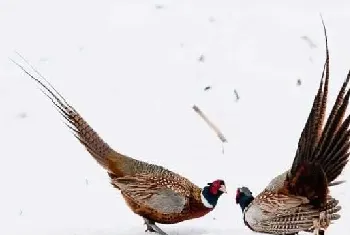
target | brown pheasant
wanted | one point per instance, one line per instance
(299, 199)
(151, 191)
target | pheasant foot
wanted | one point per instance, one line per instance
(316, 227)
(324, 220)
(148, 226)
(152, 227)
(321, 223)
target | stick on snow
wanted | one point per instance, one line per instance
(210, 124)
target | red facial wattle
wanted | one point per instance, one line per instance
(215, 186)
(237, 194)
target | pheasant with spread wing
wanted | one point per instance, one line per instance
(151, 191)
(299, 199)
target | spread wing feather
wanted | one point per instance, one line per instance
(323, 150)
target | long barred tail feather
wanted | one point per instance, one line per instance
(323, 149)
(94, 144)
(326, 146)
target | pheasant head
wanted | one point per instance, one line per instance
(244, 197)
(212, 192)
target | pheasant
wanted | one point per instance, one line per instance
(151, 191)
(299, 199)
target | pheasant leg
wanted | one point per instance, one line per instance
(321, 223)
(316, 227)
(324, 219)
(149, 227)
(152, 227)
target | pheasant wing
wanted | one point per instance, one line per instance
(277, 203)
(158, 192)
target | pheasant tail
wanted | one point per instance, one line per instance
(108, 158)
(322, 149)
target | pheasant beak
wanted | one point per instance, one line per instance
(223, 188)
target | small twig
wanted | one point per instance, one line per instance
(299, 82)
(236, 94)
(201, 58)
(308, 41)
(207, 88)
(158, 6)
(210, 124)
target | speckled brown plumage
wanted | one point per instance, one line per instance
(299, 199)
(151, 191)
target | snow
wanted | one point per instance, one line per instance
(133, 70)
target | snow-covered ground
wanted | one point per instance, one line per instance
(134, 68)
